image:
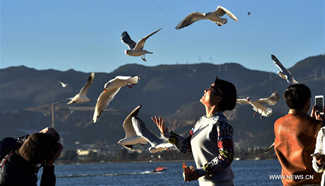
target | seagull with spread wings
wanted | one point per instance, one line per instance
(137, 133)
(259, 105)
(136, 49)
(81, 97)
(215, 16)
(283, 72)
(111, 88)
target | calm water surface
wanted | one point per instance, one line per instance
(247, 172)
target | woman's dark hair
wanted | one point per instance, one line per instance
(54, 133)
(38, 148)
(227, 92)
(297, 96)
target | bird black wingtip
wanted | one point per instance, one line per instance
(124, 33)
(273, 57)
(178, 27)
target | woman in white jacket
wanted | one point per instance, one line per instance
(211, 139)
(319, 153)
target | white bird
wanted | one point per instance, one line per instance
(215, 16)
(136, 49)
(283, 72)
(81, 97)
(63, 85)
(137, 133)
(259, 105)
(111, 88)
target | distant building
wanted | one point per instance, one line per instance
(85, 154)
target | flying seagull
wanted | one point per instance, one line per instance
(63, 85)
(215, 16)
(111, 88)
(136, 49)
(259, 105)
(137, 133)
(283, 72)
(81, 97)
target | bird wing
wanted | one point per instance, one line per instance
(105, 97)
(282, 76)
(162, 147)
(140, 44)
(133, 80)
(126, 39)
(191, 18)
(243, 101)
(121, 81)
(222, 11)
(63, 84)
(131, 149)
(84, 89)
(141, 130)
(261, 109)
(271, 100)
(129, 79)
(278, 64)
(285, 74)
(127, 123)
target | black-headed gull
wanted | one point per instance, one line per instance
(81, 97)
(259, 105)
(111, 88)
(137, 133)
(283, 72)
(215, 16)
(136, 49)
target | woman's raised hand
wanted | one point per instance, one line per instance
(159, 121)
(316, 115)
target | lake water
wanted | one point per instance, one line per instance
(247, 172)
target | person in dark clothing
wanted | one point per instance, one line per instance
(22, 158)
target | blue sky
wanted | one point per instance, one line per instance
(85, 34)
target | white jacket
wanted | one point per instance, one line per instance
(320, 148)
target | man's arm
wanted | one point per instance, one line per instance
(48, 176)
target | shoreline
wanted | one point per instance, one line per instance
(62, 162)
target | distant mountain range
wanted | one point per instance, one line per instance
(172, 91)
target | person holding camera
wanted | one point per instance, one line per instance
(24, 156)
(319, 153)
(295, 138)
(211, 139)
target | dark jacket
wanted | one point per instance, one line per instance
(16, 171)
(8, 145)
